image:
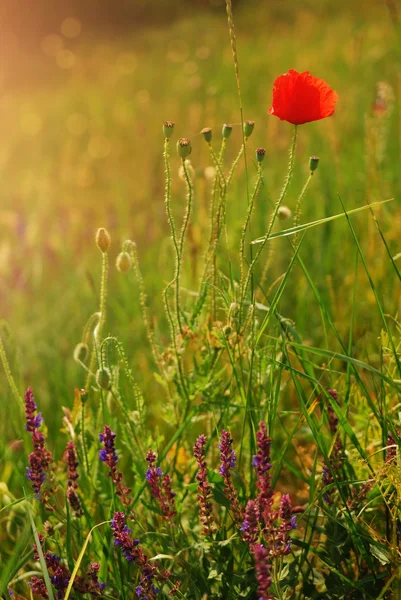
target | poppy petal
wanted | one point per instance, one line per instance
(301, 98)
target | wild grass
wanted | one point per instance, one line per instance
(219, 317)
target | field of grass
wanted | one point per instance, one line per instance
(81, 148)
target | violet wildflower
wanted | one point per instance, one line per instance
(327, 479)
(38, 587)
(33, 421)
(204, 489)
(40, 459)
(262, 566)
(250, 526)
(287, 523)
(60, 577)
(59, 574)
(337, 454)
(228, 462)
(160, 487)
(70, 457)
(333, 419)
(109, 456)
(262, 464)
(391, 448)
(133, 553)
(90, 584)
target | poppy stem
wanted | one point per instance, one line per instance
(275, 211)
(298, 206)
(246, 225)
(182, 240)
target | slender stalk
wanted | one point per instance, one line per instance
(97, 332)
(233, 41)
(170, 219)
(184, 227)
(246, 224)
(235, 163)
(7, 370)
(276, 209)
(214, 233)
(298, 206)
(84, 449)
(144, 307)
(167, 194)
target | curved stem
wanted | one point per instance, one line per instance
(167, 194)
(182, 240)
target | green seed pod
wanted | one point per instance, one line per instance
(103, 378)
(248, 128)
(103, 239)
(260, 154)
(81, 352)
(168, 129)
(123, 262)
(313, 163)
(184, 147)
(207, 134)
(226, 131)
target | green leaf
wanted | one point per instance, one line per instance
(380, 553)
(305, 226)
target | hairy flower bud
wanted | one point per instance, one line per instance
(103, 378)
(129, 246)
(168, 129)
(248, 128)
(184, 147)
(123, 262)
(260, 154)
(207, 134)
(81, 351)
(284, 213)
(313, 163)
(103, 239)
(226, 131)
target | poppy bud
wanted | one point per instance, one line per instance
(184, 147)
(123, 262)
(81, 394)
(81, 352)
(313, 163)
(227, 130)
(168, 129)
(248, 128)
(103, 378)
(207, 134)
(103, 239)
(227, 330)
(260, 154)
(284, 213)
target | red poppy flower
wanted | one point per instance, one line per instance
(300, 98)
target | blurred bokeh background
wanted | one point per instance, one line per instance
(84, 89)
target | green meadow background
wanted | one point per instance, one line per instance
(81, 109)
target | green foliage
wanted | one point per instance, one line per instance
(228, 320)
